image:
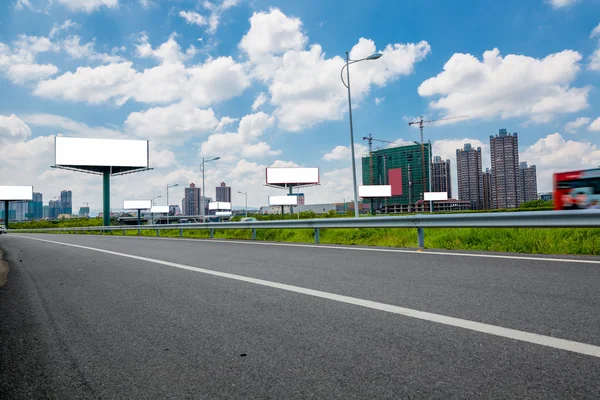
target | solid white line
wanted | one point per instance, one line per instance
(352, 248)
(548, 341)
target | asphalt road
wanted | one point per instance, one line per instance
(79, 323)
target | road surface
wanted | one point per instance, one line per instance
(113, 317)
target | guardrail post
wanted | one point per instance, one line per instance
(421, 237)
(317, 235)
(181, 233)
(124, 232)
(253, 233)
(157, 233)
(212, 233)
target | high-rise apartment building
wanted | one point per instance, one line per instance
(527, 182)
(54, 209)
(191, 202)
(66, 202)
(468, 169)
(36, 207)
(223, 193)
(504, 149)
(46, 212)
(402, 168)
(486, 186)
(441, 179)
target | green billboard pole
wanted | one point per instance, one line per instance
(106, 196)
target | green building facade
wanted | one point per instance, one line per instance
(414, 173)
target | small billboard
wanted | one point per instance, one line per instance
(219, 205)
(137, 204)
(370, 191)
(223, 213)
(297, 176)
(159, 209)
(15, 193)
(86, 152)
(283, 200)
(433, 196)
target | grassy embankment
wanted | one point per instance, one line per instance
(583, 241)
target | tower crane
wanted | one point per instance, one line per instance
(421, 124)
(370, 140)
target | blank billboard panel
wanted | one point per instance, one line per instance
(283, 200)
(84, 152)
(16, 193)
(159, 209)
(436, 196)
(137, 204)
(223, 213)
(219, 205)
(368, 191)
(304, 176)
(395, 180)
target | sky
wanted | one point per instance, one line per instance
(257, 83)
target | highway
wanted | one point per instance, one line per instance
(85, 316)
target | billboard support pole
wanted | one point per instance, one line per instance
(6, 213)
(106, 194)
(139, 219)
(291, 194)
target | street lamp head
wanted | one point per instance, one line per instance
(216, 158)
(374, 56)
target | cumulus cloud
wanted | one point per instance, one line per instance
(572, 126)
(261, 99)
(595, 126)
(553, 153)
(211, 21)
(203, 84)
(304, 83)
(173, 123)
(13, 128)
(193, 18)
(88, 6)
(76, 50)
(507, 87)
(342, 153)
(556, 4)
(56, 29)
(67, 126)
(18, 62)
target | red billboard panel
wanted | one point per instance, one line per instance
(395, 180)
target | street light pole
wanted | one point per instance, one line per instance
(374, 56)
(245, 194)
(151, 213)
(203, 194)
(168, 187)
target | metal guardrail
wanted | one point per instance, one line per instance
(533, 219)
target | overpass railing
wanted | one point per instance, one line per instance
(530, 219)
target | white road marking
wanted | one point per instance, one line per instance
(327, 246)
(548, 341)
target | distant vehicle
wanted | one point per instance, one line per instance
(2, 229)
(248, 219)
(577, 190)
(185, 221)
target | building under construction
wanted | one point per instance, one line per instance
(404, 169)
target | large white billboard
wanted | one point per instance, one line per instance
(436, 196)
(159, 209)
(101, 152)
(16, 192)
(277, 176)
(368, 191)
(137, 204)
(219, 205)
(283, 200)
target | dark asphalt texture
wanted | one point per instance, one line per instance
(76, 323)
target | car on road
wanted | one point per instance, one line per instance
(2, 229)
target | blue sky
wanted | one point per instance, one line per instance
(257, 83)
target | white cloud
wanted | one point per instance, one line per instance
(192, 17)
(595, 31)
(261, 99)
(21, 73)
(250, 128)
(76, 50)
(56, 29)
(68, 126)
(594, 64)
(21, 4)
(213, 81)
(161, 158)
(174, 123)
(18, 63)
(12, 127)
(595, 126)
(506, 87)
(88, 6)
(342, 153)
(555, 154)
(556, 4)
(379, 100)
(572, 126)
(303, 83)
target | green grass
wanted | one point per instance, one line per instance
(580, 241)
